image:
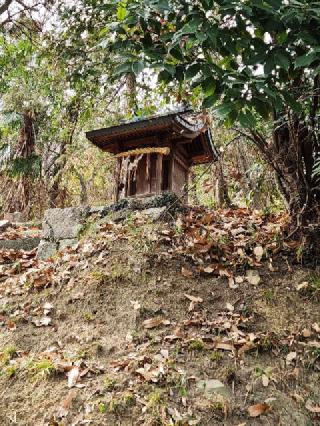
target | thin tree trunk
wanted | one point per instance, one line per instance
(55, 193)
(221, 192)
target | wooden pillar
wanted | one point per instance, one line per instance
(117, 177)
(148, 172)
(171, 170)
(159, 173)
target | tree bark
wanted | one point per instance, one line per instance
(20, 194)
(292, 154)
(221, 191)
(56, 194)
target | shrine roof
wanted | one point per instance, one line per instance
(182, 124)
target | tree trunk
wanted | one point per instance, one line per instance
(221, 190)
(19, 189)
(55, 192)
(131, 94)
(292, 154)
(57, 195)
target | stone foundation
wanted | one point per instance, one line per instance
(62, 227)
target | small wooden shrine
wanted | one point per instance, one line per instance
(155, 154)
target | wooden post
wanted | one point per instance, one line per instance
(171, 171)
(117, 177)
(159, 174)
(148, 172)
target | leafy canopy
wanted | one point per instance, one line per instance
(250, 58)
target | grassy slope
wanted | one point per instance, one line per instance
(101, 296)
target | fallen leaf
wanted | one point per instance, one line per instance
(136, 305)
(232, 284)
(73, 376)
(150, 374)
(312, 408)
(302, 286)
(193, 301)
(253, 277)
(316, 327)
(172, 337)
(239, 279)
(65, 405)
(246, 348)
(164, 353)
(186, 272)
(155, 322)
(314, 344)
(258, 409)
(297, 397)
(265, 380)
(229, 307)
(290, 357)
(11, 325)
(43, 322)
(258, 252)
(224, 346)
(47, 308)
(306, 332)
(120, 364)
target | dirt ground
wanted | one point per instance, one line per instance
(129, 330)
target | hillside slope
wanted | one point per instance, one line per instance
(203, 320)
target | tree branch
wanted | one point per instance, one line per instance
(5, 6)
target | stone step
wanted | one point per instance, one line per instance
(26, 244)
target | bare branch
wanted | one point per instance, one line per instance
(5, 6)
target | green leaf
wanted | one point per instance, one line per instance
(208, 86)
(192, 71)
(137, 67)
(160, 5)
(179, 73)
(282, 37)
(292, 102)
(201, 36)
(191, 26)
(121, 12)
(269, 65)
(306, 60)
(212, 35)
(282, 60)
(165, 76)
(223, 110)
(123, 68)
(209, 101)
(176, 53)
(170, 68)
(207, 4)
(269, 92)
(247, 119)
(262, 108)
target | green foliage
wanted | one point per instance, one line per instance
(43, 368)
(102, 407)
(11, 370)
(28, 167)
(196, 345)
(247, 60)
